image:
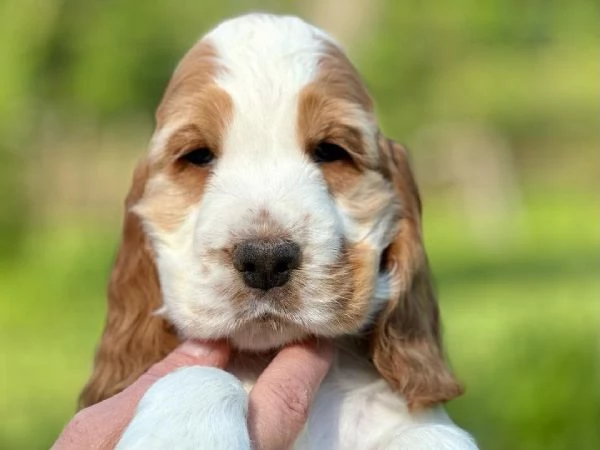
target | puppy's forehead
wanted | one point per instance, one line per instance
(262, 61)
(265, 56)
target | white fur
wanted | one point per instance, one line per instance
(265, 62)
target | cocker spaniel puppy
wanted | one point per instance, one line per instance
(270, 208)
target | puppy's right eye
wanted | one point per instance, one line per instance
(327, 152)
(198, 157)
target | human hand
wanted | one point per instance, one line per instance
(277, 406)
(100, 426)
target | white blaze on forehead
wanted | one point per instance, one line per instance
(266, 61)
(266, 57)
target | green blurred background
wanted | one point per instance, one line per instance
(498, 100)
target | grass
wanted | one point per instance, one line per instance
(520, 320)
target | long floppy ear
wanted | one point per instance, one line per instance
(406, 341)
(133, 338)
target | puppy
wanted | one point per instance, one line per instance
(268, 209)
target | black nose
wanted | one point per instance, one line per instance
(266, 263)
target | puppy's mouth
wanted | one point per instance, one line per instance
(270, 319)
(267, 331)
(267, 321)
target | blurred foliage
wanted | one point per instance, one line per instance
(529, 67)
(520, 314)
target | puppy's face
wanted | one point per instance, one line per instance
(266, 200)
(272, 209)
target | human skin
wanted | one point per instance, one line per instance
(277, 409)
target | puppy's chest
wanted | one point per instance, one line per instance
(354, 407)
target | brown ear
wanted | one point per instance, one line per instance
(133, 337)
(406, 342)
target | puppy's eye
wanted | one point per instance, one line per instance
(327, 152)
(198, 157)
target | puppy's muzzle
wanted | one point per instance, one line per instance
(266, 263)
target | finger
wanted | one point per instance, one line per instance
(190, 353)
(280, 400)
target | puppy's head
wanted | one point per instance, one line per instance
(268, 209)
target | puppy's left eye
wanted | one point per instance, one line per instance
(199, 157)
(327, 152)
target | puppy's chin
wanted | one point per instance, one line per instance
(266, 334)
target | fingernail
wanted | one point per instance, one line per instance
(196, 349)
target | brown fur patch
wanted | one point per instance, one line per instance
(406, 341)
(133, 337)
(341, 78)
(195, 71)
(321, 118)
(358, 293)
(334, 108)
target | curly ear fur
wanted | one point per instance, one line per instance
(406, 343)
(133, 338)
